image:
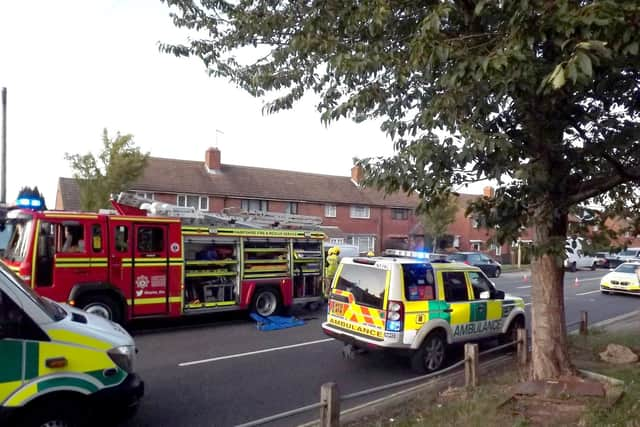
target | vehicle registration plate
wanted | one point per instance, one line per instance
(338, 308)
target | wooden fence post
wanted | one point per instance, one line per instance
(471, 365)
(584, 323)
(330, 409)
(522, 346)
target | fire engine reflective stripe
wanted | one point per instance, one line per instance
(69, 215)
(77, 339)
(147, 301)
(143, 219)
(13, 268)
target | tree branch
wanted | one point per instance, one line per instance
(595, 186)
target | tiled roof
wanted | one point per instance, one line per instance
(186, 176)
(189, 176)
(69, 190)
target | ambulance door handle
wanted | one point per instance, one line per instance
(480, 307)
(448, 310)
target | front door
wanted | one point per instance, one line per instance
(456, 294)
(150, 266)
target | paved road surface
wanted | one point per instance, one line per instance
(222, 371)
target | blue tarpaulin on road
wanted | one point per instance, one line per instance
(273, 323)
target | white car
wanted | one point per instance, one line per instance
(577, 259)
(624, 279)
(629, 254)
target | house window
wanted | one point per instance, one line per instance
(476, 246)
(627, 234)
(292, 208)
(399, 213)
(150, 196)
(253, 205)
(336, 241)
(359, 211)
(330, 211)
(498, 250)
(197, 202)
(364, 243)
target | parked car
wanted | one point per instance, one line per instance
(629, 254)
(602, 259)
(623, 279)
(489, 266)
(577, 259)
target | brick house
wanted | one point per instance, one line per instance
(350, 213)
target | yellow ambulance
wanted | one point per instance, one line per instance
(405, 302)
(60, 366)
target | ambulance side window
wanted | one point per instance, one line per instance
(14, 323)
(480, 284)
(455, 286)
(419, 284)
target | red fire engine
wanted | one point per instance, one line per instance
(153, 259)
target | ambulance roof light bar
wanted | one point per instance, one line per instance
(406, 254)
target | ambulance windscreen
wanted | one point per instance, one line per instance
(366, 284)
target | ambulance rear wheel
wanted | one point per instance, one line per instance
(101, 305)
(266, 302)
(431, 355)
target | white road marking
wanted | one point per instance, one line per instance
(590, 292)
(251, 353)
(523, 287)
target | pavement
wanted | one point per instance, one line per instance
(620, 324)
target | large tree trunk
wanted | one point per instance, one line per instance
(550, 355)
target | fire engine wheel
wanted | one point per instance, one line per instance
(431, 355)
(266, 302)
(101, 305)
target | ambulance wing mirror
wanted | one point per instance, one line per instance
(498, 294)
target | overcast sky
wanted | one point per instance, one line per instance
(74, 67)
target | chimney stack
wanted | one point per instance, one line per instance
(488, 192)
(357, 174)
(212, 159)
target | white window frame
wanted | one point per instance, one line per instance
(289, 206)
(201, 199)
(364, 214)
(330, 211)
(476, 246)
(365, 243)
(336, 241)
(245, 204)
(145, 195)
(403, 214)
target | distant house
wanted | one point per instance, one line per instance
(350, 213)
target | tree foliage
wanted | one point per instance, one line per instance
(437, 218)
(541, 96)
(119, 163)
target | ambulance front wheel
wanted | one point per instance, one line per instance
(431, 355)
(54, 413)
(102, 305)
(266, 302)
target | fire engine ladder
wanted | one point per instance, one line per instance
(229, 216)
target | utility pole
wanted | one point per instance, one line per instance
(3, 189)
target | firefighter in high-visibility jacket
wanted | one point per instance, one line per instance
(330, 271)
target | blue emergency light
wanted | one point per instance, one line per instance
(31, 203)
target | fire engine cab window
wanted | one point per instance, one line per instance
(73, 238)
(122, 238)
(150, 239)
(455, 286)
(419, 284)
